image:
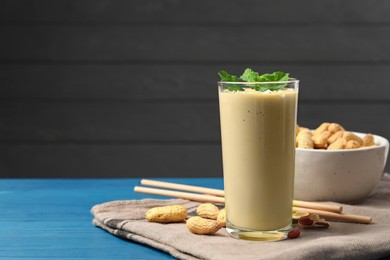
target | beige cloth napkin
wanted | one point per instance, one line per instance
(340, 241)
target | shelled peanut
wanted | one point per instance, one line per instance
(331, 136)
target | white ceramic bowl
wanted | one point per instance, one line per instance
(340, 175)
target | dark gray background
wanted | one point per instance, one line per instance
(128, 88)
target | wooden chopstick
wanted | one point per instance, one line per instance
(184, 187)
(336, 216)
(216, 199)
(221, 193)
(179, 194)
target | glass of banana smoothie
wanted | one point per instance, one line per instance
(258, 121)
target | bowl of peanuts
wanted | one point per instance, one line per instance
(333, 164)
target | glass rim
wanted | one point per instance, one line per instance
(290, 80)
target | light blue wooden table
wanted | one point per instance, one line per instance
(51, 219)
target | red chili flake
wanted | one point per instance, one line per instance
(293, 233)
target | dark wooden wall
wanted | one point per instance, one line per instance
(116, 88)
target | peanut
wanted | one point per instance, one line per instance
(303, 129)
(312, 221)
(294, 233)
(167, 214)
(323, 127)
(202, 226)
(305, 222)
(221, 219)
(350, 136)
(368, 140)
(321, 140)
(207, 210)
(334, 127)
(335, 136)
(338, 144)
(304, 140)
(352, 144)
(332, 132)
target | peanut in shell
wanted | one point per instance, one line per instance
(202, 226)
(338, 144)
(352, 144)
(323, 127)
(335, 136)
(368, 140)
(221, 219)
(320, 140)
(167, 214)
(351, 136)
(334, 127)
(207, 210)
(304, 140)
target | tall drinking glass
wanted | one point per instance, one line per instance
(258, 152)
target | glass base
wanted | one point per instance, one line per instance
(256, 235)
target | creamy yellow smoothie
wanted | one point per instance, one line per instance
(258, 149)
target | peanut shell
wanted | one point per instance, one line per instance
(202, 226)
(335, 136)
(321, 140)
(221, 219)
(368, 140)
(338, 144)
(207, 210)
(323, 127)
(167, 214)
(351, 136)
(304, 129)
(304, 140)
(334, 127)
(352, 144)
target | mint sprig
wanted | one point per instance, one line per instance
(230, 78)
(227, 77)
(251, 76)
(276, 76)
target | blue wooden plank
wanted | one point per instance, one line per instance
(50, 218)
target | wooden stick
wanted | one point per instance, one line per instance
(221, 193)
(215, 199)
(175, 186)
(182, 195)
(336, 216)
(319, 206)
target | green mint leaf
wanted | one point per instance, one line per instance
(227, 77)
(249, 76)
(234, 87)
(261, 88)
(230, 78)
(276, 76)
